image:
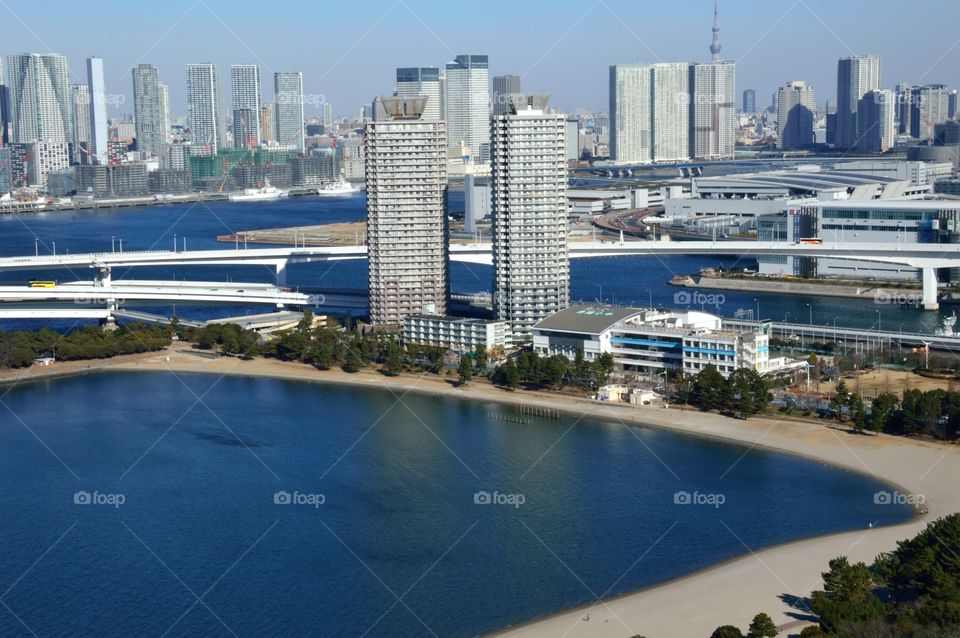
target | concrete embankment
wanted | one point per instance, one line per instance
(891, 295)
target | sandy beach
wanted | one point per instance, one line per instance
(731, 593)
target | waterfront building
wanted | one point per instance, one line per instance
(462, 335)
(407, 233)
(421, 81)
(467, 106)
(878, 111)
(80, 140)
(99, 127)
(148, 107)
(205, 109)
(856, 76)
(795, 113)
(529, 196)
(45, 157)
(288, 94)
(4, 110)
(245, 91)
(39, 98)
(631, 114)
(713, 117)
(647, 342)
(110, 181)
(504, 85)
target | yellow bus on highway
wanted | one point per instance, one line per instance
(39, 283)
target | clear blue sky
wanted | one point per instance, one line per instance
(348, 51)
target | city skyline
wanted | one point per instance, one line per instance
(339, 69)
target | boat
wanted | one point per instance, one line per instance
(338, 188)
(256, 194)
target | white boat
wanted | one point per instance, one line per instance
(255, 194)
(339, 188)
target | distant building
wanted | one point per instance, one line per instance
(713, 117)
(467, 105)
(148, 110)
(407, 234)
(750, 101)
(421, 81)
(99, 128)
(121, 180)
(80, 141)
(205, 109)
(529, 187)
(856, 76)
(929, 106)
(245, 90)
(4, 110)
(795, 109)
(504, 85)
(39, 98)
(288, 90)
(878, 114)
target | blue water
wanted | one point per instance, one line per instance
(198, 460)
(637, 280)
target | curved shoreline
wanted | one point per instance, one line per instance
(729, 592)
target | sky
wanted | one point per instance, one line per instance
(348, 51)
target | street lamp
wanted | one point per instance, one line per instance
(879, 318)
(113, 245)
(757, 301)
(810, 310)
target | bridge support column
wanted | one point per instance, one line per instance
(281, 274)
(930, 289)
(102, 276)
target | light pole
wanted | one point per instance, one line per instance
(36, 246)
(174, 242)
(113, 244)
(879, 318)
(810, 310)
(757, 301)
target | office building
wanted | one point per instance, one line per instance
(904, 108)
(288, 95)
(4, 110)
(878, 114)
(407, 233)
(148, 110)
(43, 158)
(795, 113)
(504, 85)
(165, 111)
(650, 113)
(467, 104)
(856, 76)
(929, 106)
(529, 196)
(713, 117)
(99, 128)
(750, 101)
(420, 82)
(39, 98)
(80, 140)
(646, 342)
(328, 113)
(205, 104)
(245, 91)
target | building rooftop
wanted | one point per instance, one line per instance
(586, 319)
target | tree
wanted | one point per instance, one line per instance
(306, 323)
(323, 356)
(747, 393)
(507, 375)
(708, 389)
(762, 627)
(858, 413)
(726, 631)
(354, 359)
(465, 371)
(840, 399)
(393, 364)
(847, 595)
(480, 357)
(881, 412)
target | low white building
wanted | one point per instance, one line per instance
(647, 342)
(455, 333)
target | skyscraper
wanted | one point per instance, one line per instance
(529, 198)
(650, 112)
(856, 76)
(165, 111)
(245, 88)
(421, 81)
(713, 117)
(504, 86)
(205, 115)
(750, 101)
(406, 172)
(148, 110)
(39, 98)
(878, 115)
(4, 110)
(795, 108)
(99, 131)
(904, 108)
(288, 90)
(929, 106)
(468, 106)
(80, 99)
(328, 116)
